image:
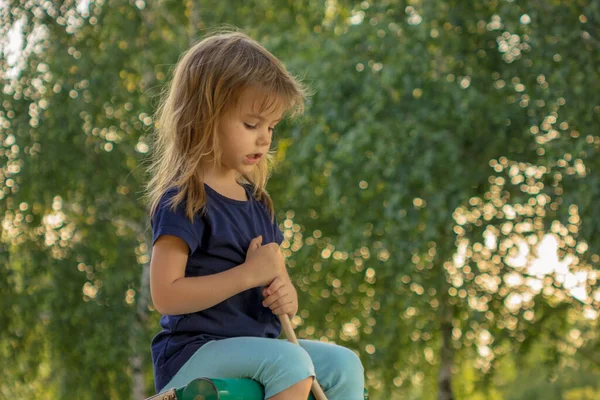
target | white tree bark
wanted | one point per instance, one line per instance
(446, 356)
(140, 349)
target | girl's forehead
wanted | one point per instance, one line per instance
(259, 102)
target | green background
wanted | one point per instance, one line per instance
(443, 137)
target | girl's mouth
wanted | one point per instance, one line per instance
(253, 158)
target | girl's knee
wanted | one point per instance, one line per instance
(286, 365)
(348, 363)
(295, 355)
(290, 358)
(347, 381)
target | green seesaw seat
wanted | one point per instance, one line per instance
(218, 389)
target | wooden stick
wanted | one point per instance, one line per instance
(291, 337)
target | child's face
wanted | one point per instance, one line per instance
(245, 135)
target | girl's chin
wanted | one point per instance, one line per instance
(244, 169)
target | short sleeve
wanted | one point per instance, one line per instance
(278, 235)
(174, 222)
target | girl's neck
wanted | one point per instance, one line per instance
(218, 177)
(233, 191)
(225, 183)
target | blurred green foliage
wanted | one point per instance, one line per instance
(442, 137)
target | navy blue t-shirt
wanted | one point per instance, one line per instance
(218, 241)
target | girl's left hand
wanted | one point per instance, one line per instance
(281, 297)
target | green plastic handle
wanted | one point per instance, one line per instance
(220, 389)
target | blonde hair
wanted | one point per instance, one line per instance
(207, 82)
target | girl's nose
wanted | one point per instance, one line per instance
(265, 137)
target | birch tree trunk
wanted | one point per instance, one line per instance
(447, 354)
(139, 349)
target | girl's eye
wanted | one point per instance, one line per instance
(254, 127)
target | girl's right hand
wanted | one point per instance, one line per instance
(264, 263)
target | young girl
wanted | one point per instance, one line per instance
(217, 274)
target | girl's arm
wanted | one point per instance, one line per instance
(174, 294)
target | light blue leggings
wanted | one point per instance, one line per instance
(277, 365)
